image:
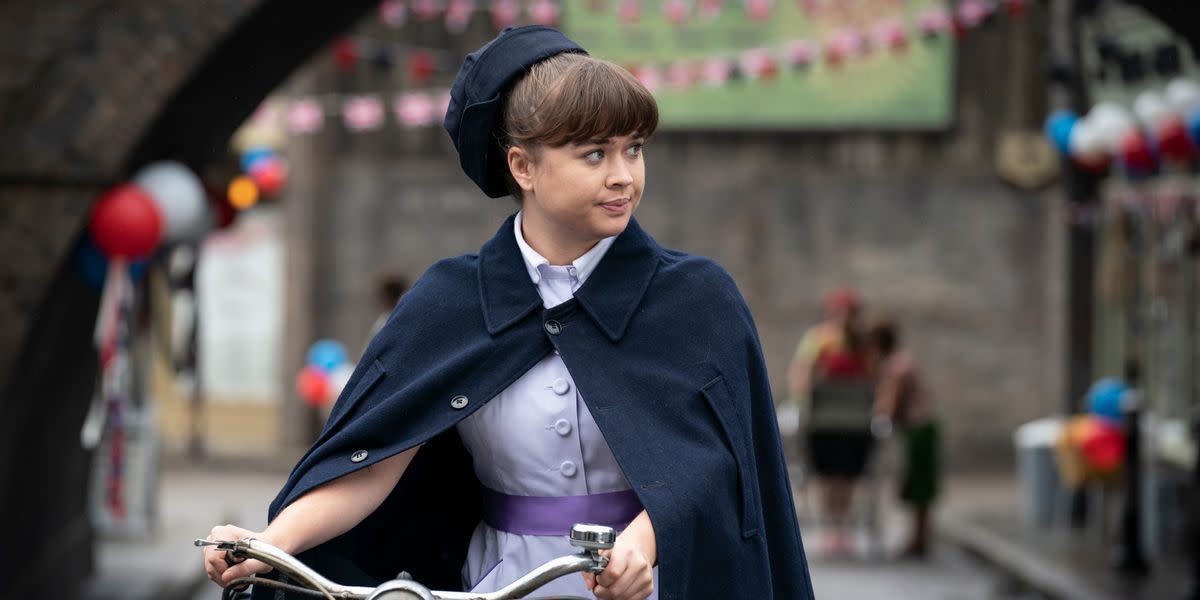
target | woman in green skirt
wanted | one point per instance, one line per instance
(903, 400)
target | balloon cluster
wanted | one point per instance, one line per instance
(264, 173)
(1162, 127)
(326, 373)
(164, 203)
(1097, 445)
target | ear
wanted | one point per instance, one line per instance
(521, 165)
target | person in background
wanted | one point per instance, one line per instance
(390, 286)
(903, 400)
(833, 351)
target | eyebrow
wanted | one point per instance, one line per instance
(603, 141)
(593, 141)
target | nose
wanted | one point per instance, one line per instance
(619, 174)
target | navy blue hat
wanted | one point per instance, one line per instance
(475, 103)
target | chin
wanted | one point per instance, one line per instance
(613, 226)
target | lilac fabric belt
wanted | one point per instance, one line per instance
(554, 515)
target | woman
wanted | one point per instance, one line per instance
(903, 399)
(832, 355)
(572, 371)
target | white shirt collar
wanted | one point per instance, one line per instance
(536, 264)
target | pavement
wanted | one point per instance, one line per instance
(165, 565)
(1058, 562)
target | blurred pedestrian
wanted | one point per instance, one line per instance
(903, 401)
(832, 356)
(389, 286)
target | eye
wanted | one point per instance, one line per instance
(635, 150)
(594, 156)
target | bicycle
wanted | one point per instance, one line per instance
(590, 538)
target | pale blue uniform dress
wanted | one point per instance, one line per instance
(537, 438)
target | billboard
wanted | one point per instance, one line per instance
(788, 64)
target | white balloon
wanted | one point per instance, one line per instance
(1183, 94)
(1110, 122)
(1151, 107)
(1085, 143)
(338, 378)
(180, 198)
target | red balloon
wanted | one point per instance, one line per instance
(270, 174)
(1102, 445)
(1135, 152)
(313, 386)
(1173, 140)
(125, 222)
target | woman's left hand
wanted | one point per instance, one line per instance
(630, 571)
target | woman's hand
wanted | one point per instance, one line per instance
(216, 566)
(630, 571)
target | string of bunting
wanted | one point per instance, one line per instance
(368, 111)
(457, 14)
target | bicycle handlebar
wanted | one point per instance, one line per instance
(591, 538)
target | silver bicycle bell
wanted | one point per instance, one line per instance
(593, 539)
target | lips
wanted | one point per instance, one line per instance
(619, 203)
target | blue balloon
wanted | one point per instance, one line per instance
(326, 355)
(93, 264)
(253, 155)
(1058, 129)
(1104, 398)
(1192, 121)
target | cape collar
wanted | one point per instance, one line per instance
(609, 296)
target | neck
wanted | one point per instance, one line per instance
(558, 249)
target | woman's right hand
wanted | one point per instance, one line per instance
(215, 565)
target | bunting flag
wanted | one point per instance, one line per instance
(680, 75)
(458, 15)
(363, 112)
(710, 9)
(393, 13)
(544, 12)
(759, 10)
(629, 11)
(427, 10)
(504, 13)
(715, 72)
(305, 115)
(413, 109)
(677, 12)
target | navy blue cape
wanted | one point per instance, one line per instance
(664, 351)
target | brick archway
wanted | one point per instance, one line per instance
(91, 91)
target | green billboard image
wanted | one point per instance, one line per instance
(791, 64)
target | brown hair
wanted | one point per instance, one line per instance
(573, 97)
(885, 335)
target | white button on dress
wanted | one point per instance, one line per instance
(561, 386)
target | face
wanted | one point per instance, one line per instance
(580, 193)
(843, 316)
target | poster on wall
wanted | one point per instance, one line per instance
(240, 298)
(779, 64)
